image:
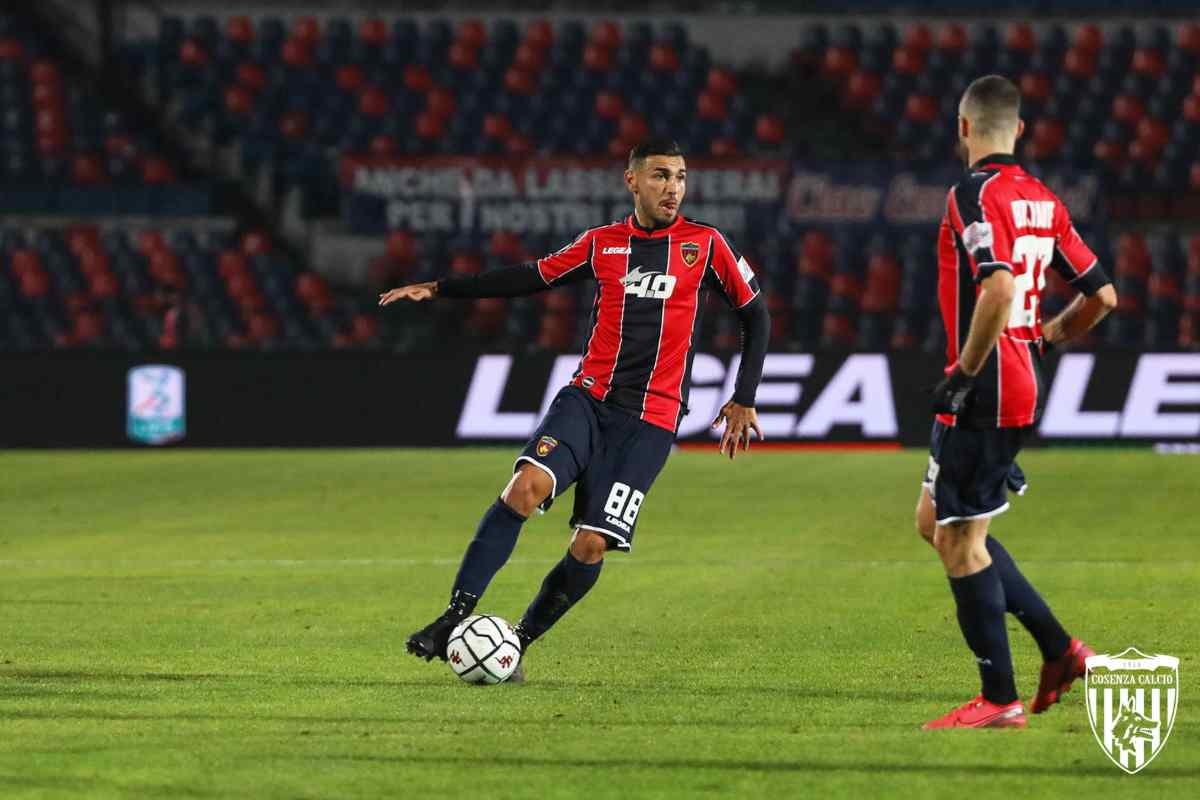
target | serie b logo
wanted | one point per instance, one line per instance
(1131, 703)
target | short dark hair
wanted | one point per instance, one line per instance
(994, 103)
(654, 146)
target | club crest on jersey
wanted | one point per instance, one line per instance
(689, 252)
(1131, 702)
(545, 445)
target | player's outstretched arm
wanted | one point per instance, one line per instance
(738, 414)
(1083, 314)
(992, 310)
(517, 281)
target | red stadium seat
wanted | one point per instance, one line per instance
(555, 333)
(1109, 152)
(908, 61)
(472, 32)
(193, 53)
(496, 126)
(44, 72)
(238, 100)
(1149, 62)
(518, 144)
(77, 301)
(1080, 63)
(837, 330)
(440, 102)
(769, 129)
(239, 29)
(1189, 330)
(157, 171)
(417, 78)
(119, 145)
(364, 328)
(846, 286)
(606, 34)
(1153, 133)
(839, 62)
(633, 127)
(518, 81)
(529, 57)
(86, 170)
(619, 147)
(262, 327)
(429, 126)
(24, 261)
(1142, 152)
(312, 290)
(921, 108)
(918, 37)
(463, 57)
(11, 50)
(1036, 86)
(663, 58)
(47, 95)
(164, 268)
(1128, 108)
(231, 263)
(373, 31)
(1194, 176)
(1189, 37)
(862, 89)
(723, 147)
(1191, 108)
(609, 105)
(293, 125)
(1049, 135)
(540, 34)
(349, 77)
(102, 284)
(721, 81)
(597, 58)
(465, 264)
(82, 239)
(35, 284)
(149, 240)
(384, 145)
(487, 317)
(296, 53)
(506, 246)
(559, 302)
(255, 243)
(307, 30)
(953, 38)
(711, 106)
(1089, 38)
(373, 102)
(251, 76)
(88, 327)
(1020, 36)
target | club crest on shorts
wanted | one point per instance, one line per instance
(1131, 703)
(545, 445)
(689, 252)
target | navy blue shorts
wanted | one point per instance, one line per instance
(971, 471)
(610, 455)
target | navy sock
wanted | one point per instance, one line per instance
(1027, 605)
(564, 586)
(494, 541)
(980, 600)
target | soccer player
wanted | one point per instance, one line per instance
(609, 431)
(1002, 229)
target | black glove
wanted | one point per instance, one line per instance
(950, 395)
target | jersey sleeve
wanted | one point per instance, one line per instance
(571, 263)
(1074, 260)
(989, 241)
(730, 272)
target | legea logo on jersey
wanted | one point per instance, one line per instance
(156, 404)
(1131, 703)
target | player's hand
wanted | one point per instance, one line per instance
(950, 395)
(739, 422)
(414, 291)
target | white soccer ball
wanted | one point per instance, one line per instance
(483, 649)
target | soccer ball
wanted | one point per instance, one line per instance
(483, 649)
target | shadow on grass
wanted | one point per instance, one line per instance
(761, 766)
(84, 787)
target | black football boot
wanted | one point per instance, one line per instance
(431, 640)
(522, 632)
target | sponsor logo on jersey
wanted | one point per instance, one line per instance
(689, 251)
(545, 445)
(615, 251)
(654, 285)
(1131, 703)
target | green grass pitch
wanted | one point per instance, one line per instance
(230, 624)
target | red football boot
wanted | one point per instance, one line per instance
(980, 713)
(1057, 675)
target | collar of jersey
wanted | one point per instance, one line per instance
(995, 158)
(647, 232)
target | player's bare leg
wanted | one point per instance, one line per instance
(494, 541)
(926, 517)
(979, 597)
